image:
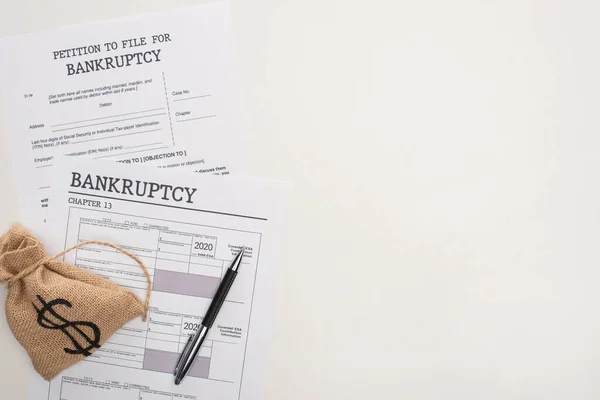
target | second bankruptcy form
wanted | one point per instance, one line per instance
(159, 89)
(187, 229)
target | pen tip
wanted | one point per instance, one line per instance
(177, 381)
(238, 259)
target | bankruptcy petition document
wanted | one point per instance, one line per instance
(159, 89)
(186, 228)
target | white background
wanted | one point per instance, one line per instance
(444, 239)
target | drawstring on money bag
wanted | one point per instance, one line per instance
(46, 260)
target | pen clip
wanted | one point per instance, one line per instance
(183, 355)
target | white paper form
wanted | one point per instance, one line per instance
(159, 89)
(186, 228)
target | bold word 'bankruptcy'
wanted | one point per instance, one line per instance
(132, 188)
(124, 60)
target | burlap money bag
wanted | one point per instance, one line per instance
(60, 313)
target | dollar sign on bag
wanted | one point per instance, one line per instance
(87, 344)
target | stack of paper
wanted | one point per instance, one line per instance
(159, 90)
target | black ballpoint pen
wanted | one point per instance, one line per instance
(194, 343)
